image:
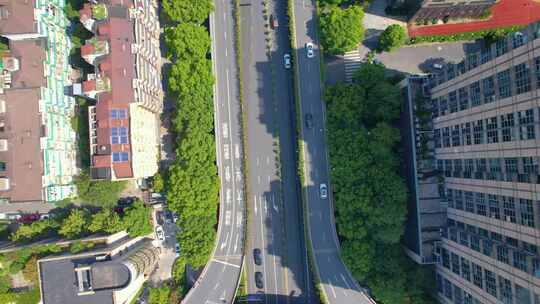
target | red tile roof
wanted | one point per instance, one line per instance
(504, 13)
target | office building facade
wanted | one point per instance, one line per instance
(486, 137)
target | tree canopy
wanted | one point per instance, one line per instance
(75, 224)
(183, 11)
(393, 37)
(101, 193)
(370, 196)
(341, 29)
(187, 40)
(105, 220)
(136, 219)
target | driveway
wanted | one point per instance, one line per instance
(163, 270)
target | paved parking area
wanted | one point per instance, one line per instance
(163, 271)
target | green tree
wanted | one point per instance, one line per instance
(136, 220)
(187, 41)
(183, 11)
(105, 220)
(158, 183)
(159, 295)
(37, 229)
(101, 193)
(75, 224)
(341, 29)
(393, 37)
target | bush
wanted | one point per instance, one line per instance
(79, 246)
(489, 35)
(75, 225)
(159, 295)
(341, 29)
(184, 11)
(393, 37)
(101, 193)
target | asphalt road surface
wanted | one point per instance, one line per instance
(276, 226)
(338, 285)
(219, 279)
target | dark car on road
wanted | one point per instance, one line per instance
(308, 118)
(259, 280)
(257, 256)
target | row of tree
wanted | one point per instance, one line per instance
(192, 184)
(79, 222)
(370, 196)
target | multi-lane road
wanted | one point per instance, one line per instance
(339, 287)
(276, 226)
(219, 279)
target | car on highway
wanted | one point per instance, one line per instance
(323, 191)
(259, 280)
(287, 60)
(309, 50)
(308, 118)
(257, 256)
(159, 233)
(273, 22)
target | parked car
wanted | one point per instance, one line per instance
(273, 22)
(28, 218)
(177, 249)
(323, 190)
(259, 280)
(438, 66)
(159, 217)
(309, 50)
(159, 233)
(175, 217)
(257, 256)
(287, 60)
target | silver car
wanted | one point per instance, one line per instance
(287, 61)
(309, 50)
(323, 191)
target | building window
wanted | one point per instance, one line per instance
(536, 268)
(506, 291)
(509, 209)
(458, 199)
(475, 243)
(445, 258)
(435, 107)
(526, 124)
(526, 214)
(438, 282)
(507, 124)
(491, 283)
(537, 64)
(443, 106)
(523, 80)
(492, 130)
(464, 238)
(469, 204)
(463, 99)
(453, 234)
(119, 135)
(458, 167)
(456, 139)
(466, 131)
(119, 157)
(478, 129)
(446, 137)
(475, 94)
(480, 200)
(530, 248)
(468, 299)
(450, 71)
(487, 247)
(505, 84)
(502, 254)
(465, 269)
(494, 210)
(472, 59)
(477, 275)
(118, 113)
(523, 295)
(520, 260)
(488, 86)
(458, 295)
(485, 54)
(529, 165)
(518, 39)
(469, 168)
(452, 102)
(501, 46)
(455, 263)
(3, 166)
(447, 289)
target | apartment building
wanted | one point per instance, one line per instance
(37, 141)
(124, 123)
(486, 137)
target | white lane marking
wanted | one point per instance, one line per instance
(236, 243)
(226, 52)
(225, 130)
(333, 290)
(227, 174)
(215, 287)
(239, 195)
(239, 218)
(344, 280)
(263, 250)
(268, 179)
(227, 217)
(224, 243)
(226, 151)
(228, 196)
(267, 160)
(238, 176)
(258, 161)
(255, 203)
(259, 179)
(225, 263)
(265, 205)
(237, 151)
(274, 205)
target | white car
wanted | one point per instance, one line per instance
(309, 50)
(287, 61)
(323, 191)
(177, 249)
(159, 233)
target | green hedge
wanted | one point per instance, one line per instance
(491, 35)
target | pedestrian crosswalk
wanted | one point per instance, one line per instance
(353, 60)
